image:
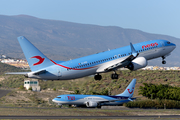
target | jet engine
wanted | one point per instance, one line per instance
(137, 63)
(91, 104)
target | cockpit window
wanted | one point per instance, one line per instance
(58, 97)
(168, 43)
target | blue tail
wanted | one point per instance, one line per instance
(35, 58)
(129, 91)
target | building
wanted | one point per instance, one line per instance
(28, 83)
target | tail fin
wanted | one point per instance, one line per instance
(35, 58)
(129, 91)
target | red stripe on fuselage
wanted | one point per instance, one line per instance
(73, 68)
(60, 65)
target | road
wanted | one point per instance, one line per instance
(91, 117)
(4, 92)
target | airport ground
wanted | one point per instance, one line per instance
(24, 103)
(115, 112)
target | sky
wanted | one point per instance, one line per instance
(152, 16)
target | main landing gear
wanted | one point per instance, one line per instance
(97, 77)
(114, 76)
(163, 61)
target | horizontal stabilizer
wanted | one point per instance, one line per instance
(26, 73)
(17, 73)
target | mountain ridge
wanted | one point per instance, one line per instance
(63, 40)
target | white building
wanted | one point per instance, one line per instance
(3, 56)
(32, 83)
(148, 68)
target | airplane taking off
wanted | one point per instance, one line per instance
(97, 100)
(133, 57)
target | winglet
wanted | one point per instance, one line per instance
(134, 52)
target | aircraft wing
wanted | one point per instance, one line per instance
(103, 101)
(118, 63)
(130, 99)
(106, 101)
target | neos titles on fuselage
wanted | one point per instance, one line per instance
(133, 57)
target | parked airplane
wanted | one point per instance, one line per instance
(133, 57)
(97, 100)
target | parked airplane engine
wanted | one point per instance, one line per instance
(137, 63)
(91, 104)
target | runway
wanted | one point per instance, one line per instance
(90, 117)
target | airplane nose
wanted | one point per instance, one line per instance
(173, 45)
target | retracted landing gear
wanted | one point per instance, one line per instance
(163, 61)
(114, 76)
(97, 77)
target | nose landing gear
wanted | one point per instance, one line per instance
(163, 61)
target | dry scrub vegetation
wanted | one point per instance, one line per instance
(86, 85)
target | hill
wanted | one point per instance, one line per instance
(8, 68)
(62, 40)
(88, 85)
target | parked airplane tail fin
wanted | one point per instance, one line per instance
(35, 58)
(129, 91)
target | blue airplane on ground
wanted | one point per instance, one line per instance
(97, 100)
(132, 57)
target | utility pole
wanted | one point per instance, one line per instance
(151, 96)
(109, 91)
